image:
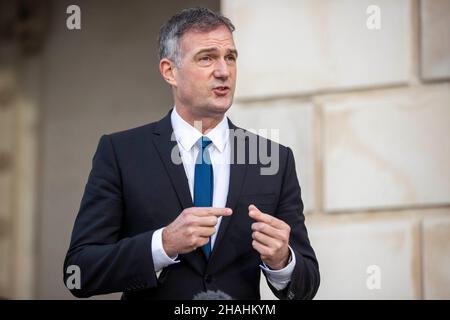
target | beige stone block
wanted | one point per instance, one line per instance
(436, 257)
(5, 195)
(435, 39)
(5, 268)
(7, 135)
(387, 148)
(7, 128)
(293, 120)
(297, 46)
(354, 254)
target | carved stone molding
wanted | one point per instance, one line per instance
(5, 161)
(5, 226)
(25, 23)
(7, 91)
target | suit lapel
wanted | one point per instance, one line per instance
(166, 146)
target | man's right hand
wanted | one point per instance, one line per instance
(191, 229)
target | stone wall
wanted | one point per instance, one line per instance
(53, 109)
(366, 112)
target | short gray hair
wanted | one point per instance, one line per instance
(198, 19)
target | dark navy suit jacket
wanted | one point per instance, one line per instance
(134, 189)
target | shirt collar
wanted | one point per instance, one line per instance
(187, 135)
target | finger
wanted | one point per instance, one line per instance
(201, 241)
(266, 240)
(252, 207)
(262, 249)
(256, 214)
(205, 231)
(211, 211)
(220, 212)
(270, 231)
(207, 221)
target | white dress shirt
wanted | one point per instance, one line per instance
(187, 137)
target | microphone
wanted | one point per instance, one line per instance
(212, 295)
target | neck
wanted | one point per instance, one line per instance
(202, 123)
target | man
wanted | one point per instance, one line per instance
(169, 211)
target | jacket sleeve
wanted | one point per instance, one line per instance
(106, 261)
(305, 278)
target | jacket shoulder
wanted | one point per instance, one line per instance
(132, 133)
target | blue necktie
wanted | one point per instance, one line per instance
(204, 182)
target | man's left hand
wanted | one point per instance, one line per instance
(270, 238)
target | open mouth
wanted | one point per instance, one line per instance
(221, 90)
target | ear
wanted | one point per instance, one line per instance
(167, 70)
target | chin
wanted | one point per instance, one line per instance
(221, 107)
(219, 110)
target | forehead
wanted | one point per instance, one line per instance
(193, 40)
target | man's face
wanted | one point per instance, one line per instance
(206, 77)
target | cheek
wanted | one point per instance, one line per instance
(234, 75)
(195, 83)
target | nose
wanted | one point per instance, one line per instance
(221, 70)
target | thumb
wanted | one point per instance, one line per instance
(253, 208)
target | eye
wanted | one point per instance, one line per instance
(231, 58)
(205, 58)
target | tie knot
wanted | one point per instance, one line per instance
(204, 141)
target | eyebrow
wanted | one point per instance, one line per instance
(206, 50)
